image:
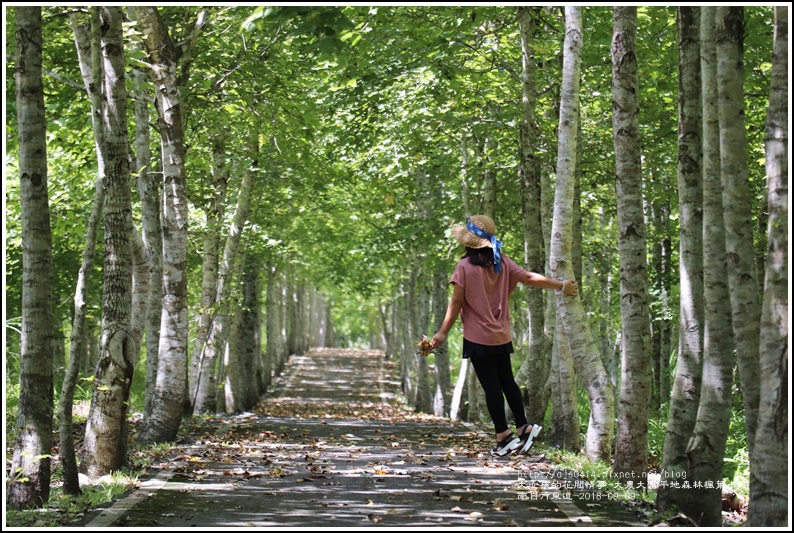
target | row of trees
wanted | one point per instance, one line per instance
(145, 276)
(330, 147)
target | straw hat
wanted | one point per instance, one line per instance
(469, 239)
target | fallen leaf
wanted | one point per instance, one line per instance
(499, 506)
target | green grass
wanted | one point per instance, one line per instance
(600, 474)
(736, 471)
(64, 509)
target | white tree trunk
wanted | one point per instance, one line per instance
(169, 393)
(105, 443)
(736, 198)
(706, 448)
(687, 382)
(89, 57)
(571, 317)
(564, 420)
(149, 193)
(769, 487)
(203, 392)
(631, 446)
(209, 267)
(441, 398)
(534, 371)
(29, 482)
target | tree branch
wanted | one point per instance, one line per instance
(63, 79)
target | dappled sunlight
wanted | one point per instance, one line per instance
(330, 459)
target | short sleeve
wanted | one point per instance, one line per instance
(515, 272)
(459, 276)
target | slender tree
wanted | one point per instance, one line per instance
(152, 234)
(420, 310)
(769, 487)
(271, 325)
(421, 317)
(105, 446)
(686, 386)
(736, 198)
(442, 396)
(169, 392)
(203, 390)
(249, 336)
(214, 214)
(534, 371)
(570, 311)
(29, 480)
(87, 40)
(706, 447)
(229, 393)
(458, 406)
(564, 420)
(631, 447)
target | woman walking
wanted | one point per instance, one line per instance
(483, 281)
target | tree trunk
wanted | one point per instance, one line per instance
(576, 244)
(537, 364)
(228, 397)
(271, 326)
(660, 215)
(736, 198)
(769, 488)
(666, 340)
(464, 176)
(141, 284)
(570, 316)
(105, 442)
(151, 204)
(89, 57)
(282, 338)
(214, 213)
(203, 393)
(489, 178)
(29, 480)
(169, 393)
(91, 348)
(329, 339)
(420, 314)
(292, 318)
(152, 232)
(564, 421)
(441, 398)
(404, 336)
(706, 448)
(686, 388)
(631, 446)
(249, 335)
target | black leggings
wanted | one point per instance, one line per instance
(496, 377)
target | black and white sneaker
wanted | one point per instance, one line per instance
(506, 445)
(528, 437)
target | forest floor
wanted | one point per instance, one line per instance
(334, 447)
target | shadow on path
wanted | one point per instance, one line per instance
(333, 447)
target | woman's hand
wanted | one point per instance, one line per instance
(438, 339)
(571, 287)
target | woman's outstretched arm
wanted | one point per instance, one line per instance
(569, 286)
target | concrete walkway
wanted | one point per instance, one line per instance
(333, 448)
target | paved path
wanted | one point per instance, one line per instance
(332, 448)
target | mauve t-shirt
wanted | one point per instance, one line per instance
(486, 313)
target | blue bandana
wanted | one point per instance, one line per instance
(496, 244)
